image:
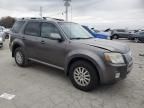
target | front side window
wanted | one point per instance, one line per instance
(32, 29)
(48, 29)
(75, 31)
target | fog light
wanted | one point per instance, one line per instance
(117, 75)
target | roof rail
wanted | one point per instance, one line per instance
(53, 18)
(31, 18)
(50, 18)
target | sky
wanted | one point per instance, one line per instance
(101, 14)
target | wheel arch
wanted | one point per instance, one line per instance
(94, 63)
(15, 45)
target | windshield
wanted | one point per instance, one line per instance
(75, 31)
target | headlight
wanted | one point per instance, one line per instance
(115, 58)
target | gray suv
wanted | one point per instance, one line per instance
(120, 33)
(68, 47)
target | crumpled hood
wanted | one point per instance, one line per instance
(106, 44)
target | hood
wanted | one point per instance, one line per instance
(106, 44)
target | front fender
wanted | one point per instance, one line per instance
(88, 55)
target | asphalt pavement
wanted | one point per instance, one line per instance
(39, 86)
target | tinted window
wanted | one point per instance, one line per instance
(17, 26)
(141, 33)
(33, 29)
(121, 30)
(47, 29)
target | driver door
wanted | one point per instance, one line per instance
(52, 51)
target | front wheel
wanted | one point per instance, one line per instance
(83, 75)
(20, 57)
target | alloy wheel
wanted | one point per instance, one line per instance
(136, 40)
(19, 57)
(82, 76)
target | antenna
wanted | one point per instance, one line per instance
(67, 4)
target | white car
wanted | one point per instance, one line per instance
(2, 39)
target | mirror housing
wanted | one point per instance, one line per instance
(56, 36)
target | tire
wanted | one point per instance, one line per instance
(136, 40)
(111, 38)
(90, 73)
(115, 37)
(20, 57)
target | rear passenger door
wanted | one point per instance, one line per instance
(32, 38)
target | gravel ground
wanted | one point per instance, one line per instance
(39, 86)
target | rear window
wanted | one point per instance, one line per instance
(17, 26)
(32, 29)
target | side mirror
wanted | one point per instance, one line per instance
(55, 36)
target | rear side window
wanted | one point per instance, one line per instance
(121, 30)
(17, 26)
(32, 29)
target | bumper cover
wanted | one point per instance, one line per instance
(116, 72)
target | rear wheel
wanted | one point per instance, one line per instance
(20, 57)
(115, 36)
(83, 75)
(136, 40)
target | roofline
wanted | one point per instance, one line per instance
(38, 18)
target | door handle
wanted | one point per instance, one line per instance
(42, 42)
